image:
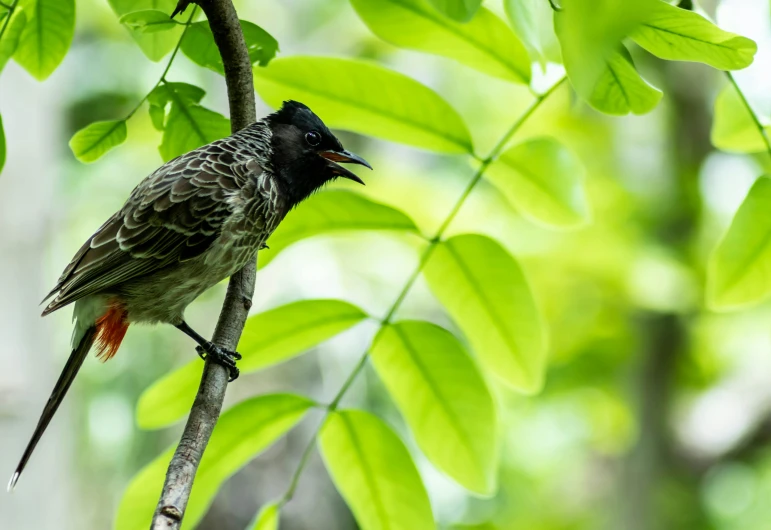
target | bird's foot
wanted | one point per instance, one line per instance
(221, 356)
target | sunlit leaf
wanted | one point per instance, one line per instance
(484, 290)
(679, 34)
(366, 98)
(148, 21)
(733, 128)
(241, 434)
(168, 92)
(485, 43)
(544, 181)
(590, 33)
(190, 126)
(10, 39)
(532, 21)
(94, 140)
(154, 45)
(46, 37)
(2, 145)
(739, 271)
(268, 518)
(157, 116)
(268, 338)
(374, 473)
(334, 211)
(444, 399)
(460, 10)
(198, 44)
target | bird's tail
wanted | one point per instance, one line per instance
(74, 363)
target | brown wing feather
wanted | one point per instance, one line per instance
(173, 215)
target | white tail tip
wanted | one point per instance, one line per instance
(13, 481)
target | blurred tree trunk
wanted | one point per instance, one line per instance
(654, 492)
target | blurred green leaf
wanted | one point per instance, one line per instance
(189, 126)
(157, 116)
(94, 140)
(148, 21)
(44, 41)
(533, 23)
(167, 92)
(198, 44)
(739, 271)
(334, 211)
(366, 98)
(374, 473)
(269, 338)
(241, 434)
(590, 33)
(733, 128)
(460, 10)
(154, 45)
(485, 43)
(484, 290)
(544, 181)
(2, 145)
(268, 518)
(678, 34)
(11, 36)
(444, 399)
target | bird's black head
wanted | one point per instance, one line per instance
(305, 152)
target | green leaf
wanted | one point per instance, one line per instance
(544, 181)
(44, 41)
(268, 518)
(241, 434)
(148, 21)
(157, 116)
(620, 90)
(268, 338)
(94, 140)
(533, 23)
(733, 128)
(485, 43)
(168, 92)
(678, 34)
(154, 45)
(198, 44)
(444, 399)
(374, 473)
(190, 126)
(334, 211)
(367, 99)
(460, 10)
(484, 290)
(10, 40)
(2, 145)
(739, 271)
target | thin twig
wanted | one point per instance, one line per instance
(205, 412)
(432, 243)
(755, 119)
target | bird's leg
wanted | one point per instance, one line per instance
(207, 348)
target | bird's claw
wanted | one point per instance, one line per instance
(221, 356)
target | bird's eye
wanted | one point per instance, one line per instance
(313, 138)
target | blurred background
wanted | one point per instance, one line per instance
(656, 412)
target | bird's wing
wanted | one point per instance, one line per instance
(173, 215)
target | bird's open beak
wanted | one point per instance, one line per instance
(345, 157)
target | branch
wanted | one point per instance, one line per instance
(229, 38)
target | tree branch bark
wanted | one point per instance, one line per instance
(229, 38)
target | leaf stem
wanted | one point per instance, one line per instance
(168, 65)
(433, 242)
(755, 119)
(11, 8)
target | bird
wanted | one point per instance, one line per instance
(187, 226)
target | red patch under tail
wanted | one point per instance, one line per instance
(111, 328)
